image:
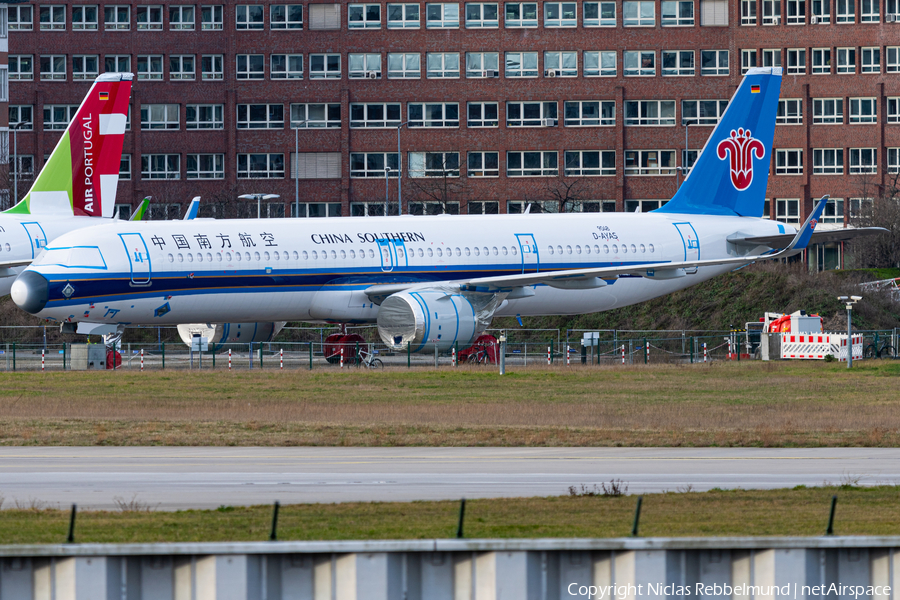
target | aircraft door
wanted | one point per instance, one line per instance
(691, 243)
(36, 236)
(393, 253)
(528, 249)
(138, 257)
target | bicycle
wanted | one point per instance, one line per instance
(364, 357)
(478, 356)
(886, 350)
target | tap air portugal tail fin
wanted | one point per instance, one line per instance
(81, 176)
(730, 175)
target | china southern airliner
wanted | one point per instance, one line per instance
(78, 182)
(428, 280)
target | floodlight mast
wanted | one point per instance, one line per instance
(849, 301)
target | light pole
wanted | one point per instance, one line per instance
(15, 129)
(400, 171)
(684, 168)
(387, 171)
(259, 198)
(297, 166)
(849, 301)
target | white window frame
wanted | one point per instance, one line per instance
(478, 15)
(893, 109)
(634, 63)
(152, 17)
(519, 58)
(16, 117)
(182, 67)
(260, 116)
(117, 63)
(399, 65)
(389, 162)
(605, 14)
(639, 13)
(160, 166)
(869, 11)
(364, 65)
(823, 116)
(863, 160)
(182, 17)
(160, 116)
(286, 66)
(521, 114)
(287, 19)
(650, 163)
(18, 72)
(679, 70)
(328, 60)
(250, 67)
(442, 65)
(125, 167)
(870, 59)
(316, 115)
(274, 165)
(81, 67)
(150, 67)
(317, 210)
(748, 60)
(789, 161)
(748, 12)
(429, 114)
(828, 161)
(708, 112)
(249, 17)
(771, 57)
(117, 17)
(548, 163)
(861, 207)
(821, 61)
(449, 18)
(604, 109)
(56, 14)
(796, 61)
(561, 63)
(789, 112)
(787, 210)
(418, 166)
(606, 63)
(644, 109)
(717, 69)
(821, 12)
(83, 23)
(676, 19)
(845, 11)
(605, 161)
(204, 116)
(216, 62)
(833, 212)
(17, 20)
(406, 12)
(199, 166)
(863, 110)
(560, 14)
(482, 65)
(380, 117)
(893, 160)
(796, 12)
(57, 70)
(477, 114)
(364, 16)
(211, 17)
(892, 64)
(520, 15)
(771, 12)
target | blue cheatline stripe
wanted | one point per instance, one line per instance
(424, 308)
(456, 310)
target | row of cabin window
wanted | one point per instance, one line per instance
(448, 65)
(475, 15)
(818, 12)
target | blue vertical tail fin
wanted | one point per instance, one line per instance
(730, 175)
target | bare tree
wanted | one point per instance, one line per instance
(437, 183)
(882, 250)
(567, 193)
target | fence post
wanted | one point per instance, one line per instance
(310, 356)
(213, 352)
(342, 356)
(260, 355)
(64, 355)
(282, 359)
(548, 354)
(453, 357)
(14, 356)
(142, 360)
(646, 351)
(623, 354)
(568, 363)
(42, 360)
(163, 356)
(705, 355)
(408, 355)
(551, 352)
(692, 350)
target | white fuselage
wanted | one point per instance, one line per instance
(318, 269)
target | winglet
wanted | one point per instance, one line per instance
(803, 236)
(141, 210)
(193, 209)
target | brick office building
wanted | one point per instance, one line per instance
(500, 104)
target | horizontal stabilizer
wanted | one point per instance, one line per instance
(818, 237)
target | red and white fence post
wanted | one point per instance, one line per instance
(705, 356)
(568, 362)
(623, 354)
(548, 356)
(142, 360)
(229, 359)
(42, 359)
(281, 358)
(647, 351)
(454, 356)
(342, 357)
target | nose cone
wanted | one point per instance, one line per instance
(30, 292)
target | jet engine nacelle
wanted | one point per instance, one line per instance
(427, 318)
(230, 333)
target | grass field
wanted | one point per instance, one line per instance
(717, 404)
(800, 511)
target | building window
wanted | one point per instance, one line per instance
(589, 113)
(205, 166)
(160, 116)
(442, 16)
(600, 64)
(252, 66)
(893, 164)
(833, 212)
(796, 61)
(442, 65)
(521, 64)
(639, 63)
(482, 15)
(125, 167)
(22, 115)
(771, 12)
(211, 68)
(560, 14)
(21, 18)
(161, 166)
(893, 110)
(846, 11)
(688, 158)
(482, 65)
(433, 164)
(828, 111)
(164, 212)
(531, 164)
(748, 60)
(821, 12)
(433, 114)
(434, 208)
(204, 116)
(85, 18)
(286, 66)
(520, 14)
(403, 16)
(861, 207)
(182, 67)
(862, 110)
(863, 160)
(53, 68)
(714, 62)
(315, 116)
(589, 163)
(677, 13)
(364, 66)
(491, 207)
(373, 164)
(702, 112)
(821, 61)
(250, 16)
(789, 162)
(639, 13)
(403, 66)
(370, 209)
(869, 11)
(678, 63)
(649, 162)
(871, 60)
(787, 210)
(790, 112)
(85, 67)
(893, 59)
(149, 18)
(364, 16)
(260, 166)
(748, 12)
(52, 18)
(560, 64)
(482, 114)
(650, 112)
(286, 16)
(317, 210)
(211, 18)
(713, 13)
(324, 66)
(316, 165)
(599, 14)
(483, 164)
(117, 63)
(531, 114)
(116, 18)
(181, 18)
(325, 16)
(828, 161)
(21, 67)
(771, 58)
(796, 12)
(375, 115)
(150, 67)
(260, 116)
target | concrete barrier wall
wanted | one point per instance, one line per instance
(827, 568)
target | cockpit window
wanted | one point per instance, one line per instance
(77, 257)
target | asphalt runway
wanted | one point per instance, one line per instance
(179, 478)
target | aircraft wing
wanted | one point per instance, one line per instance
(818, 237)
(6, 267)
